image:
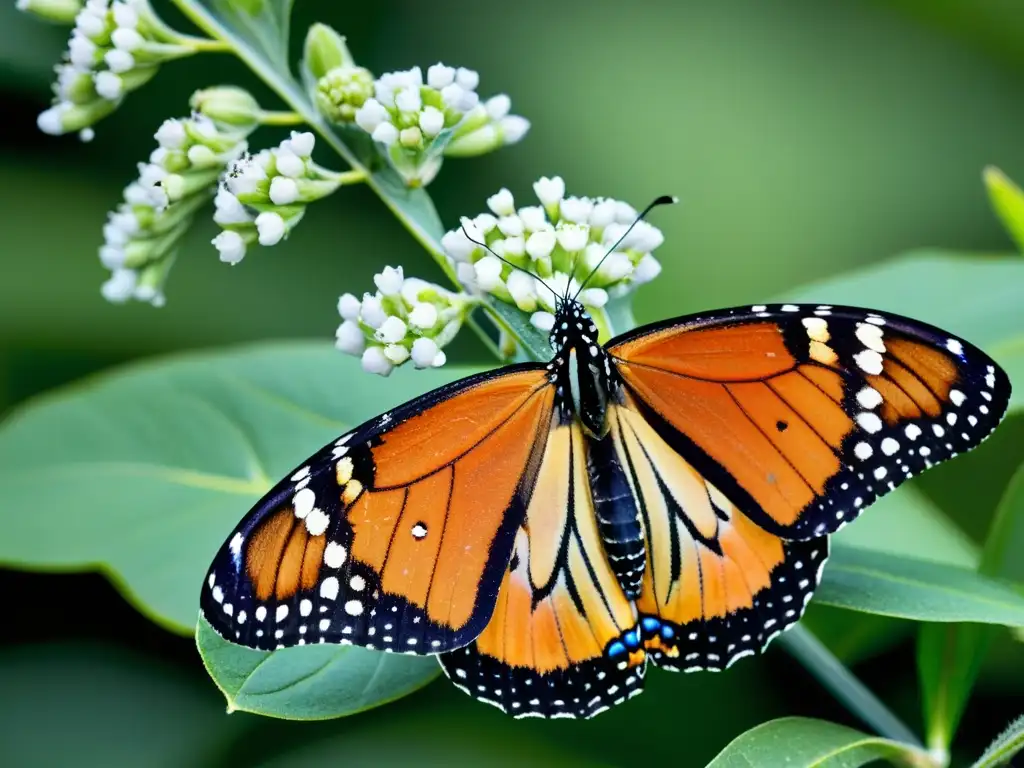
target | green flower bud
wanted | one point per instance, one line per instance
(324, 51)
(56, 11)
(227, 105)
(342, 91)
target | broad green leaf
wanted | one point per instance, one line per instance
(142, 473)
(877, 582)
(310, 683)
(801, 742)
(1006, 745)
(1008, 202)
(974, 296)
(949, 657)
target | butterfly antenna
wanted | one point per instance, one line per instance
(488, 248)
(663, 200)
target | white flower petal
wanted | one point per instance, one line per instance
(348, 307)
(349, 338)
(374, 361)
(389, 282)
(502, 203)
(271, 228)
(231, 246)
(549, 191)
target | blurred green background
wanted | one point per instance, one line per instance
(803, 138)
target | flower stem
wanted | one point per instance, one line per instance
(283, 117)
(842, 684)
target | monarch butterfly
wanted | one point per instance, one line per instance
(546, 529)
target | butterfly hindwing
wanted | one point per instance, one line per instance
(563, 640)
(397, 535)
(805, 414)
(716, 586)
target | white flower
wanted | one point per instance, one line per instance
(423, 316)
(230, 245)
(594, 297)
(616, 266)
(389, 282)
(109, 85)
(440, 75)
(121, 285)
(125, 15)
(457, 245)
(511, 226)
(111, 256)
(301, 143)
(513, 128)
(543, 321)
(374, 361)
(502, 203)
(385, 133)
(271, 228)
(396, 353)
(431, 121)
(515, 245)
(523, 289)
(82, 52)
(540, 244)
(426, 354)
(488, 273)
(467, 78)
(228, 210)
(288, 163)
(572, 237)
(498, 106)
(127, 39)
(283, 190)
(349, 338)
(647, 269)
(602, 214)
(119, 61)
(408, 100)
(372, 312)
(348, 307)
(246, 176)
(534, 218)
(371, 114)
(577, 209)
(549, 191)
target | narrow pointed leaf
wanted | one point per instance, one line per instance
(800, 742)
(1008, 202)
(1006, 745)
(878, 582)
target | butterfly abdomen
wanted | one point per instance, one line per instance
(618, 520)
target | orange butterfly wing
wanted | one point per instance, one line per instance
(717, 587)
(396, 536)
(804, 415)
(563, 640)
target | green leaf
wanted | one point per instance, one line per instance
(261, 24)
(143, 472)
(1006, 745)
(877, 582)
(534, 342)
(949, 657)
(309, 683)
(801, 742)
(1008, 202)
(976, 297)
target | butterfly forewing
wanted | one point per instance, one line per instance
(397, 535)
(804, 415)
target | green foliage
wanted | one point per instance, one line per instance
(1006, 745)
(804, 743)
(949, 657)
(176, 450)
(314, 683)
(1008, 202)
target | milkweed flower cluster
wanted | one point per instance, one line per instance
(263, 196)
(417, 121)
(406, 319)
(141, 235)
(114, 48)
(561, 241)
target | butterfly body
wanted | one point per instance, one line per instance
(548, 529)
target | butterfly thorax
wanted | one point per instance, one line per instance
(581, 369)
